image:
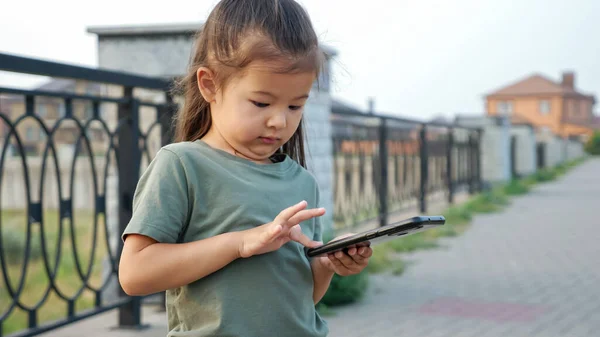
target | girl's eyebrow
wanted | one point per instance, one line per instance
(272, 95)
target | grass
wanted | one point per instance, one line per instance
(68, 281)
(517, 187)
(545, 175)
(381, 259)
(398, 267)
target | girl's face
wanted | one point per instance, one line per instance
(257, 111)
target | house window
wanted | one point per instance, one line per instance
(544, 107)
(505, 107)
(571, 108)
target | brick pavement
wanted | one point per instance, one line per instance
(532, 270)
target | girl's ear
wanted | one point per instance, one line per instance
(206, 84)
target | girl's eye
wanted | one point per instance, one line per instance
(295, 107)
(260, 105)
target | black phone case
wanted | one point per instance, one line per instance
(380, 234)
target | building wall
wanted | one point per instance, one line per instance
(574, 149)
(49, 111)
(555, 151)
(494, 148)
(320, 147)
(154, 56)
(562, 111)
(529, 109)
(575, 130)
(525, 149)
(578, 109)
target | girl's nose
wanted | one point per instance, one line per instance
(277, 120)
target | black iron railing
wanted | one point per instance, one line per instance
(385, 164)
(107, 132)
(72, 153)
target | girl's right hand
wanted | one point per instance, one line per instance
(284, 228)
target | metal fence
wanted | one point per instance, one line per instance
(74, 148)
(385, 164)
(540, 155)
(64, 146)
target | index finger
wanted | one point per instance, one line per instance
(305, 215)
(289, 212)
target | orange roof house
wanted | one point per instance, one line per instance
(544, 103)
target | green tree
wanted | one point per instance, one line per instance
(593, 144)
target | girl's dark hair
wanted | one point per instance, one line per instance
(236, 33)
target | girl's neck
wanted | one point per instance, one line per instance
(215, 140)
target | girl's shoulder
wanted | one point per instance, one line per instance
(181, 149)
(186, 153)
(178, 157)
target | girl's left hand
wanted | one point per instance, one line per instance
(356, 259)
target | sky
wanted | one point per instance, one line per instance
(419, 59)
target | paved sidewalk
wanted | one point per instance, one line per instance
(533, 270)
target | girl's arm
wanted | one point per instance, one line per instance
(147, 267)
(323, 267)
(322, 278)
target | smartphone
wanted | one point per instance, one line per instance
(378, 235)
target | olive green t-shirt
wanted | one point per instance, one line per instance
(193, 189)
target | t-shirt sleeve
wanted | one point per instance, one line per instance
(160, 203)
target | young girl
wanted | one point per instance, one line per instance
(221, 217)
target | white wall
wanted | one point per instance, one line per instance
(319, 147)
(575, 149)
(14, 182)
(555, 151)
(494, 148)
(526, 150)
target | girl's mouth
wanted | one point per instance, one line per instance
(268, 140)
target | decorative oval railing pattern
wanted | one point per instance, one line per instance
(69, 165)
(356, 161)
(404, 162)
(424, 162)
(72, 153)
